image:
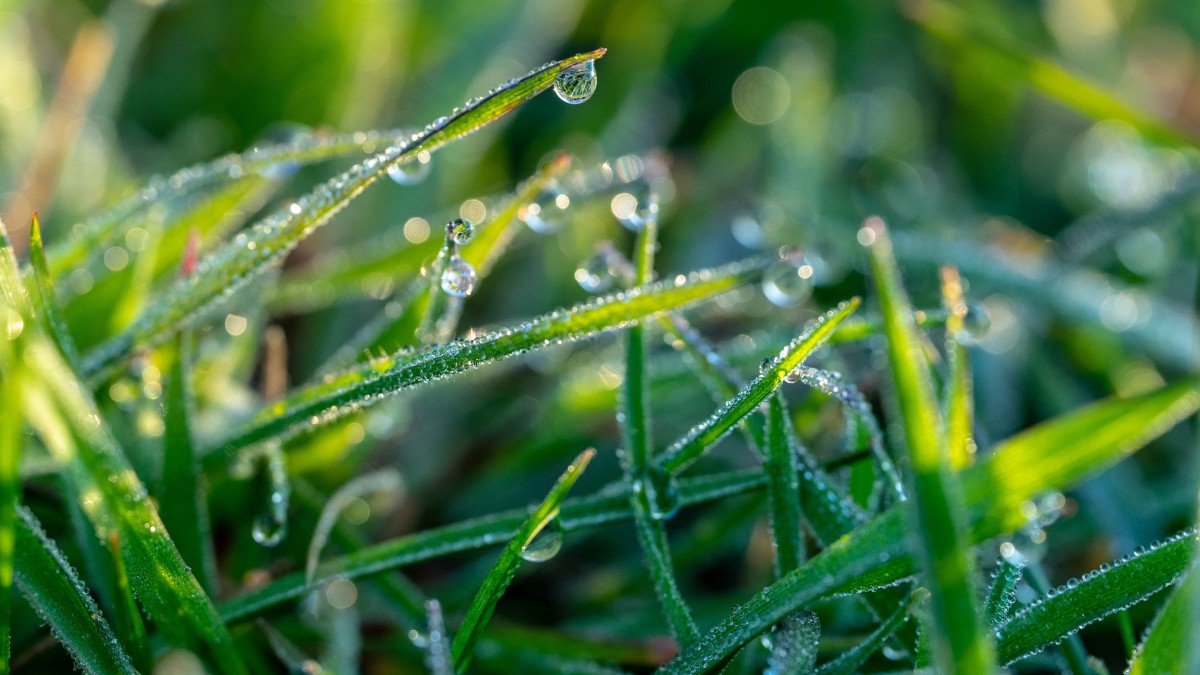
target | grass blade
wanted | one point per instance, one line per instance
(1170, 645)
(635, 436)
(852, 658)
(1049, 456)
(958, 399)
(47, 580)
(1099, 594)
(130, 628)
(610, 506)
(783, 489)
(686, 450)
(115, 501)
(265, 244)
(794, 644)
(352, 390)
(45, 301)
(1002, 594)
(11, 438)
(497, 581)
(935, 507)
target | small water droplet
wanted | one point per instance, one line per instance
(546, 213)
(458, 278)
(268, 531)
(460, 230)
(788, 283)
(662, 491)
(576, 83)
(545, 544)
(596, 274)
(409, 173)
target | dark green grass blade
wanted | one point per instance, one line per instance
(850, 660)
(47, 580)
(128, 619)
(366, 385)
(45, 301)
(610, 506)
(636, 437)
(686, 450)
(783, 489)
(1002, 594)
(1097, 595)
(182, 503)
(1170, 646)
(794, 644)
(115, 501)
(265, 244)
(1049, 456)
(497, 581)
(935, 506)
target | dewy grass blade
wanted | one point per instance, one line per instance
(59, 596)
(497, 581)
(1170, 646)
(794, 644)
(783, 489)
(1049, 456)
(1098, 594)
(247, 255)
(11, 439)
(610, 506)
(357, 388)
(130, 628)
(636, 438)
(960, 643)
(44, 299)
(1002, 594)
(958, 399)
(114, 499)
(850, 660)
(691, 446)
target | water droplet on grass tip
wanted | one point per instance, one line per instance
(545, 544)
(458, 278)
(576, 84)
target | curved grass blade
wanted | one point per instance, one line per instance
(959, 643)
(288, 653)
(688, 449)
(783, 489)
(1170, 645)
(265, 244)
(59, 596)
(635, 436)
(360, 387)
(387, 481)
(497, 581)
(45, 301)
(1052, 455)
(1098, 594)
(115, 501)
(850, 660)
(89, 237)
(609, 506)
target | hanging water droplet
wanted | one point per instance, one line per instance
(977, 321)
(270, 525)
(577, 83)
(788, 282)
(596, 274)
(546, 213)
(662, 491)
(267, 531)
(411, 172)
(460, 230)
(458, 278)
(545, 544)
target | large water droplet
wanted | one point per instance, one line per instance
(458, 278)
(577, 83)
(546, 213)
(460, 230)
(662, 491)
(411, 172)
(595, 275)
(267, 530)
(633, 210)
(546, 544)
(788, 283)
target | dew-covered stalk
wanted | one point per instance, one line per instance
(783, 489)
(1003, 592)
(130, 627)
(936, 506)
(450, 279)
(850, 660)
(45, 301)
(794, 644)
(648, 491)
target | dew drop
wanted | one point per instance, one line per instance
(267, 530)
(458, 278)
(662, 490)
(788, 283)
(409, 173)
(546, 213)
(595, 275)
(460, 230)
(576, 83)
(545, 544)
(977, 321)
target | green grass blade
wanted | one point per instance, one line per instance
(610, 506)
(59, 596)
(958, 398)
(635, 436)
(783, 490)
(360, 387)
(497, 581)
(1097, 595)
(1170, 645)
(794, 644)
(1002, 594)
(850, 660)
(1052, 455)
(130, 628)
(115, 501)
(44, 299)
(935, 506)
(11, 439)
(182, 502)
(243, 258)
(686, 450)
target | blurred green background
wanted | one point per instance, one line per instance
(1047, 148)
